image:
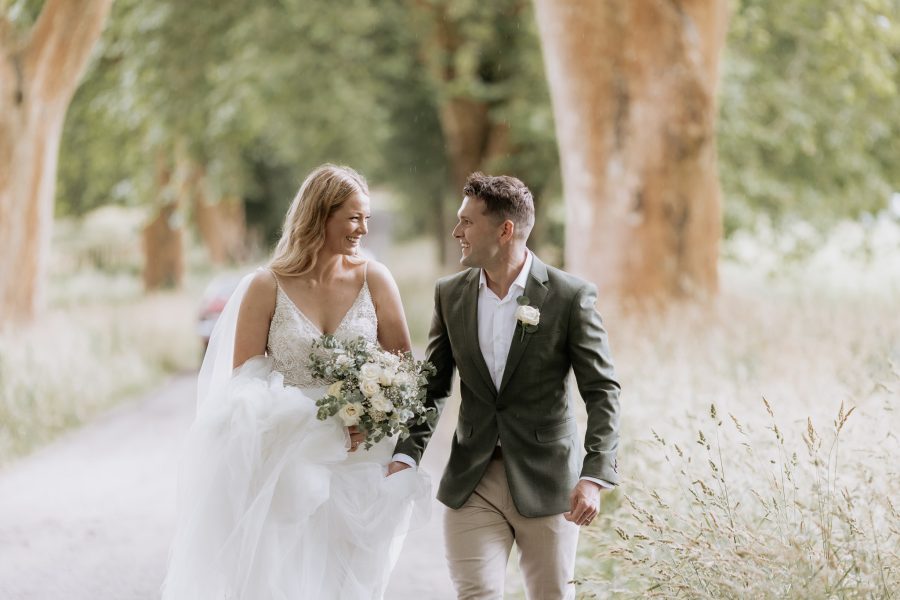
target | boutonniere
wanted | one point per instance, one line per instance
(527, 316)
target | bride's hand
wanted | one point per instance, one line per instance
(356, 437)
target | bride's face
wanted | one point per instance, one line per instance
(346, 226)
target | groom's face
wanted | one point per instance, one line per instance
(477, 233)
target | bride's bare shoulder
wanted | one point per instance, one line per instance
(262, 289)
(379, 277)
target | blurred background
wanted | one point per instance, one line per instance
(727, 172)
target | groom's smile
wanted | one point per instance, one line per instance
(473, 232)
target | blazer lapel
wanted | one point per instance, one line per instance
(470, 324)
(537, 291)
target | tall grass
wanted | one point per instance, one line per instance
(759, 442)
(102, 341)
(79, 361)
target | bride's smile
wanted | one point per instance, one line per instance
(346, 227)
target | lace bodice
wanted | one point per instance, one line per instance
(291, 334)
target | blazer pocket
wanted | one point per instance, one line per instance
(554, 432)
(463, 430)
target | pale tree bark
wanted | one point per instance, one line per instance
(633, 85)
(39, 72)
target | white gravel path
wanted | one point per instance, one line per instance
(90, 517)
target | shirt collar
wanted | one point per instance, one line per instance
(521, 278)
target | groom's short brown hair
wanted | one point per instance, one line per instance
(504, 198)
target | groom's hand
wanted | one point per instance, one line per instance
(396, 467)
(585, 501)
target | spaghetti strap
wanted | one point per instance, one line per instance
(274, 276)
(366, 273)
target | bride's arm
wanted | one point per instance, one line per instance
(254, 318)
(393, 332)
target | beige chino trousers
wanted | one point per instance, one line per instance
(479, 536)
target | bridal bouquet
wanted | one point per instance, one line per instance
(379, 392)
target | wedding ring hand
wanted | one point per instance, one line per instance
(356, 438)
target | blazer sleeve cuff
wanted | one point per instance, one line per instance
(602, 466)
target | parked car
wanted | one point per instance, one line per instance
(213, 301)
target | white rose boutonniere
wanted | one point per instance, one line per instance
(528, 316)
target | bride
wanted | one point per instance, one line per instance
(273, 503)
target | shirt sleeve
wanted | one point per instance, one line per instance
(405, 459)
(604, 484)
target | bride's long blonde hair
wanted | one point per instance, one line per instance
(323, 192)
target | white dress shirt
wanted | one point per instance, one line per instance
(497, 320)
(496, 327)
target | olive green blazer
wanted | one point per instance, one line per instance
(532, 413)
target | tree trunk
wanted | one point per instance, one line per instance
(164, 250)
(39, 73)
(633, 87)
(222, 224)
(473, 139)
(472, 142)
(163, 237)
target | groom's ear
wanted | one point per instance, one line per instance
(507, 231)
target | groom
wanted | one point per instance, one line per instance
(514, 327)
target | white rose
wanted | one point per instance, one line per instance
(380, 403)
(386, 377)
(335, 389)
(350, 413)
(528, 315)
(369, 371)
(343, 360)
(369, 387)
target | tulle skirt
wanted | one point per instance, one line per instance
(272, 506)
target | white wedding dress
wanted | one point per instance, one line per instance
(271, 505)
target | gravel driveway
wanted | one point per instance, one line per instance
(90, 517)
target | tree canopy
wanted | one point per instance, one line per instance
(260, 92)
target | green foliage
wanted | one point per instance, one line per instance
(21, 13)
(413, 160)
(440, 50)
(810, 110)
(260, 92)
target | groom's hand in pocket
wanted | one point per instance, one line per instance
(585, 501)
